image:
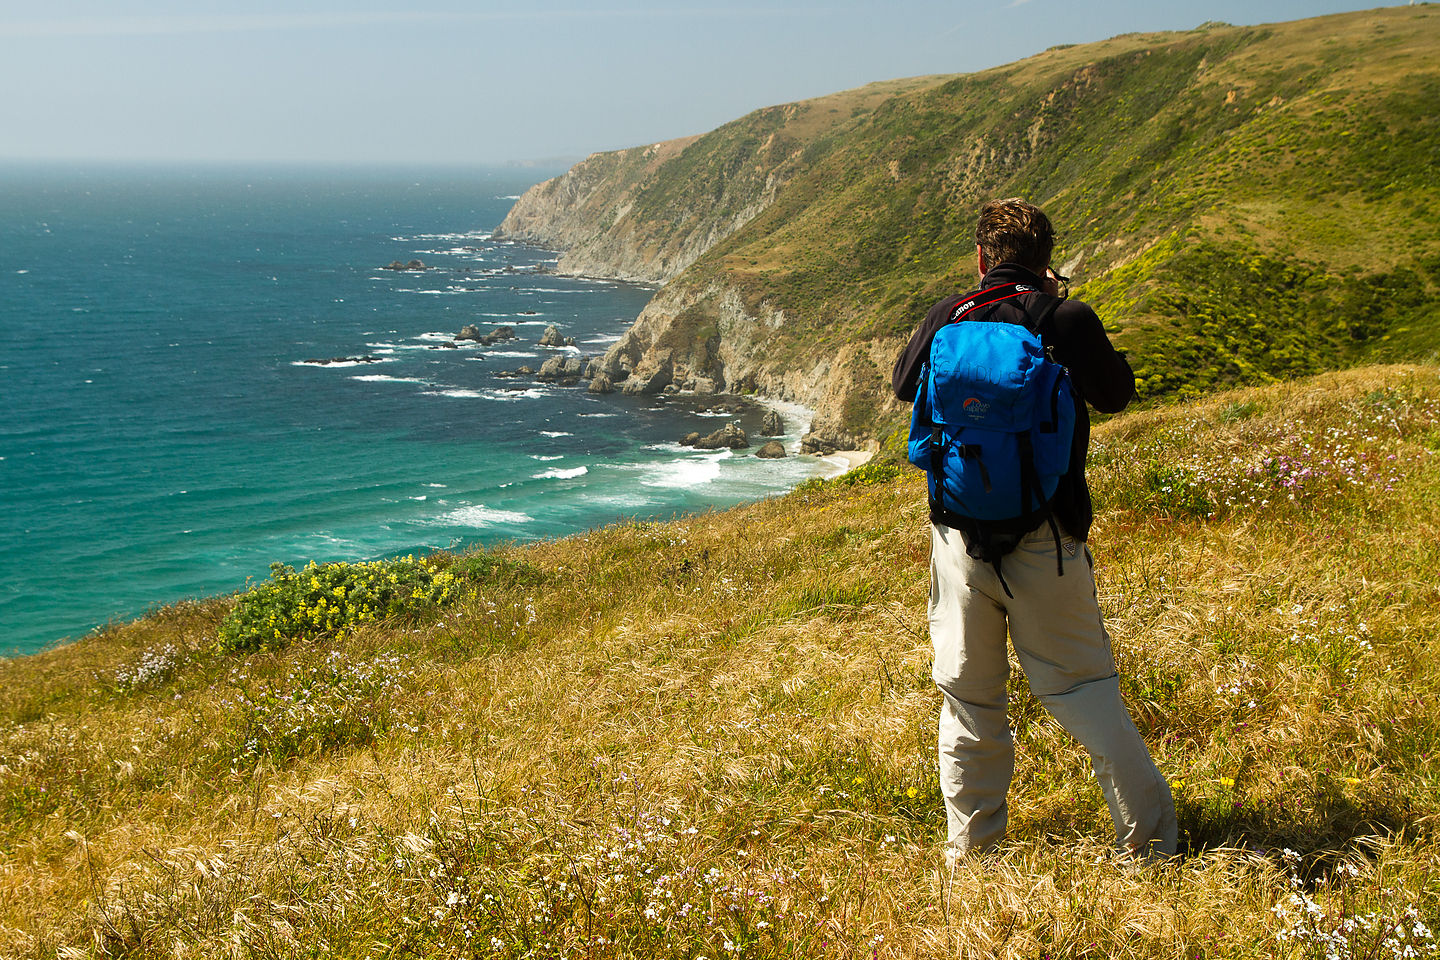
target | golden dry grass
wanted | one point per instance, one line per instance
(718, 730)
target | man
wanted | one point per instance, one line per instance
(1053, 618)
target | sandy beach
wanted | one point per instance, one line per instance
(848, 460)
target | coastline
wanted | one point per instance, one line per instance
(848, 460)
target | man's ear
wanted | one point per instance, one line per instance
(980, 260)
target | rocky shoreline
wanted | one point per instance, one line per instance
(567, 367)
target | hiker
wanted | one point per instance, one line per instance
(1026, 567)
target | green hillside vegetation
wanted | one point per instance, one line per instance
(1243, 204)
(657, 198)
(714, 736)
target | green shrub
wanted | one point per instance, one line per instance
(1175, 492)
(325, 598)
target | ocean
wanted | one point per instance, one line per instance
(168, 434)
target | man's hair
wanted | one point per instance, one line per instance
(1013, 231)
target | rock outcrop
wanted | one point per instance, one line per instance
(697, 338)
(552, 338)
(729, 435)
(496, 334)
(326, 362)
(772, 425)
(412, 265)
(774, 450)
(561, 369)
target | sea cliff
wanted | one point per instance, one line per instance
(1241, 204)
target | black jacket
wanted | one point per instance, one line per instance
(1075, 338)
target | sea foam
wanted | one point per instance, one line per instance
(559, 473)
(479, 515)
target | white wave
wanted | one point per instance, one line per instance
(440, 485)
(669, 447)
(556, 473)
(605, 338)
(555, 433)
(598, 415)
(436, 335)
(457, 393)
(533, 393)
(422, 497)
(680, 474)
(714, 413)
(332, 365)
(531, 323)
(513, 353)
(350, 546)
(543, 459)
(509, 196)
(479, 515)
(382, 378)
(468, 235)
(619, 500)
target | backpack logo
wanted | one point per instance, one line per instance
(975, 408)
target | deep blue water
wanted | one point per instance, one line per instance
(162, 436)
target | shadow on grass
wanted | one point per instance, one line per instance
(1325, 821)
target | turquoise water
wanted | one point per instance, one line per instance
(164, 437)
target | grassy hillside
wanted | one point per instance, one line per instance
(1240, 203)
(714, 737)
(1243, 204)
(648, 212)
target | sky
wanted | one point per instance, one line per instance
(447, 82)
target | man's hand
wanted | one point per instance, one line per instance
(1051, 284)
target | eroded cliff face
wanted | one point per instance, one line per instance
(706, 340)
(611, 216)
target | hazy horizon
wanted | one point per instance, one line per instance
(332, 83)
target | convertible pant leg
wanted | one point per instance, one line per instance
(1055, 625)
(977, 758)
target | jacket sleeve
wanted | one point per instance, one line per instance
(1101, 372)
(905, 378)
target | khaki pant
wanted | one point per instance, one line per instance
(1055, 625)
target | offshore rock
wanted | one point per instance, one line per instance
(468, 332)
(774, 450)
(412, 265)
(773, 425)
(729, 435)
(561, 368)
(552, 338)
(690, 439)
(601, 384)
(364, 359)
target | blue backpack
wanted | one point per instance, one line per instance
(993, 425)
